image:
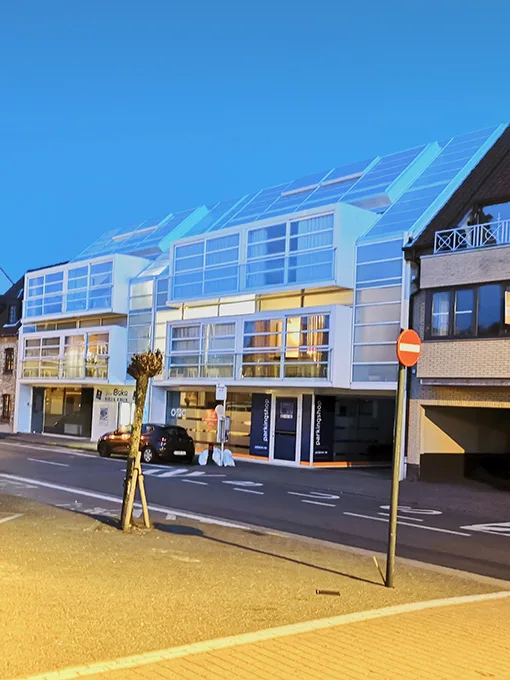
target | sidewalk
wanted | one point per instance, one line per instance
(75, 591)
(428, 644)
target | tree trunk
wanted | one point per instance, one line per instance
(133, 461)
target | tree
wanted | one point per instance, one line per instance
(142, 367)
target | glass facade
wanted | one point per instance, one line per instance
(78, 289)
(281, 347)
(293, 252)
(70, 356)
(377, 311)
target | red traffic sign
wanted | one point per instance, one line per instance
(408, 347)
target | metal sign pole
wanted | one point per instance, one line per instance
(395, 476)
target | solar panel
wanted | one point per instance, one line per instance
(384, 173)
(420, 196)
(257, 205)
(308, 181)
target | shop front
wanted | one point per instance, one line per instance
(79, 411)
(290, 427)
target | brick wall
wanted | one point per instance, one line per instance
(488, 358)
(465, 267)
(7, 381)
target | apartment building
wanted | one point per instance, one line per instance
(291, 296)
(459, 409)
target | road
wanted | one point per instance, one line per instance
(342, 506)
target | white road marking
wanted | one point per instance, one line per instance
(47, 462)
(8, 519)
(319, 495)
(406, 517)
(241, 483)
(409, 510)
(330, 505)
(138, 660)
(205, 519)
(416, 526)
(260, 493)
(194, 481)
(496, 529)
(50, 449)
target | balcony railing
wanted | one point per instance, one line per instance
(303, 364)
(474, 236)
(59, 369)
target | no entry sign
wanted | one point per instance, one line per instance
(408, 348)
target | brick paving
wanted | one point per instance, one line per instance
(459, 642)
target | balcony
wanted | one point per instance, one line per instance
(470, 237)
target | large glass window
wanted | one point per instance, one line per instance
(477, 311)
(71, 356)
(81, 288)
(202, 350)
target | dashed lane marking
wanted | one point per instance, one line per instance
(329, 505)
(260, 493)
(47, 462)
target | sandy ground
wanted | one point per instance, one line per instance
(75, 590)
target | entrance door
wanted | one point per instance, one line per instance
(285, 429)
(37, 409)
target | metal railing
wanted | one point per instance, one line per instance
(474, 236)
(273, 366)
(59, 369)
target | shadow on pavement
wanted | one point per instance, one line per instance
(177, 529)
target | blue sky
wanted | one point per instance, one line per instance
(114, 111)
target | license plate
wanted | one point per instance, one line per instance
(179, 453)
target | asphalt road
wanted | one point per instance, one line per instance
(343, 506)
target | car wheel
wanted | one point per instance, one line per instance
(104, 450)
(190, 458)
(148, 455)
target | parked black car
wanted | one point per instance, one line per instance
(158, 442)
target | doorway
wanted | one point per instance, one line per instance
(37, 409)
(285, 429)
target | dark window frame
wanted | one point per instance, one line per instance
(9, 361)
(503, 330)
(7, 402)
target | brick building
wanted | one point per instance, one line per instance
(10, 320)
(459, 394)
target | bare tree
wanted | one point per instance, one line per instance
(142, 367)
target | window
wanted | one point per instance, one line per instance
(72, 356)
(9, 361)
(440, 314)
(202, 350)
(464, 312)
(477, 311)
(6, 407)
(80, 288)
(490, 310)
(13, 314)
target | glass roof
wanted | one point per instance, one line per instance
(402, 188)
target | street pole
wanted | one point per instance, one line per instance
(395, 474)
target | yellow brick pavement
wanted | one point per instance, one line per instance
(459, 642)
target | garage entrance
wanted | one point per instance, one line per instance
(466, 443)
